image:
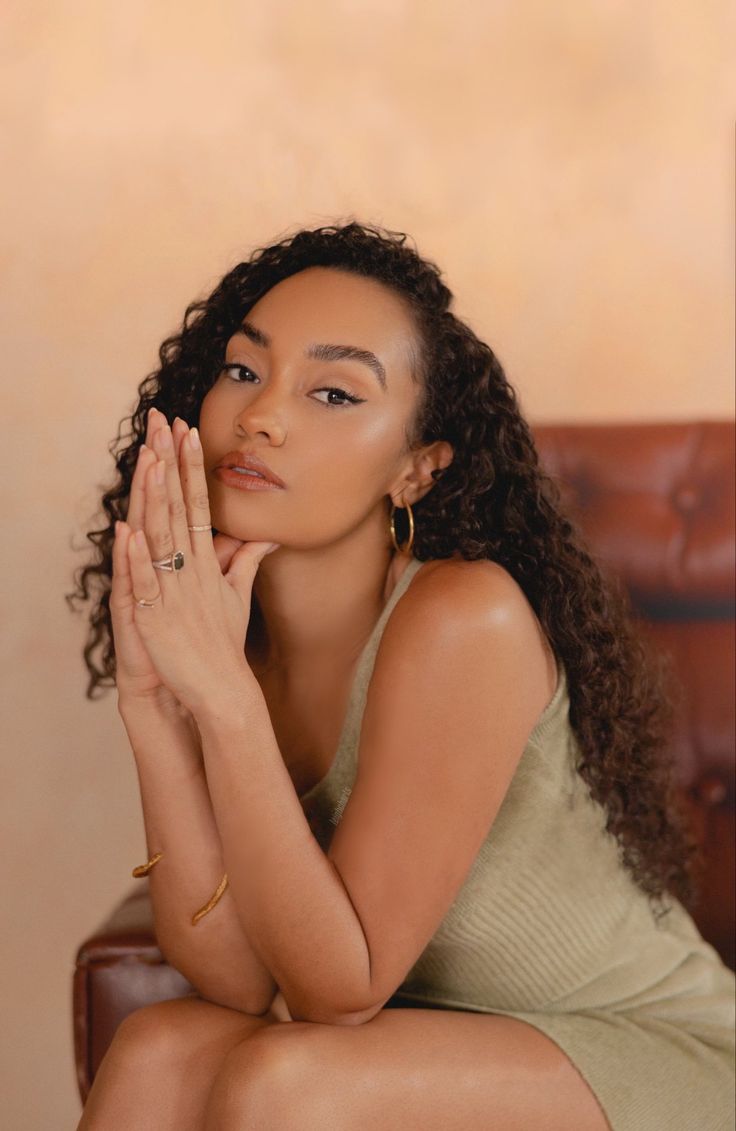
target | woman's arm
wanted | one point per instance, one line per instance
(460, 678)
(214, 955)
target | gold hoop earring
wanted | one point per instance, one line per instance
(392, 528)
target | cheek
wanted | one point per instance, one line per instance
(210, 423)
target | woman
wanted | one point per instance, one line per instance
(422, 769)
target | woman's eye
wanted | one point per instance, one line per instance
(241, 374)
(347, 397)
(232, 368)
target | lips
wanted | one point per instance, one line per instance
(252, 463)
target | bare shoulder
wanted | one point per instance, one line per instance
(461, 586)
(468, 605)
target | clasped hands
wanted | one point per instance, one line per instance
(191, 640)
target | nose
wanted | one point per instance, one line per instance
(263, 415)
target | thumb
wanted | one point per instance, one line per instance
(225, 547)
(246, 560)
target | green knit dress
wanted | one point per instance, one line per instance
(550, 928)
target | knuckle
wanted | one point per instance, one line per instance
(201, 500)
(163, 543)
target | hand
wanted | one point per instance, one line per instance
(194, 633)
(136, 677)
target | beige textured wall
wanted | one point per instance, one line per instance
(569, 165)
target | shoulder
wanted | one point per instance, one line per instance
(454, 595)
(472, 583)
(474, 616)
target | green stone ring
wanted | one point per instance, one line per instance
(172, 562)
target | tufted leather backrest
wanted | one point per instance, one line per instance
(655, 504)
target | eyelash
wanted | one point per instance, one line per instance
(329, 389)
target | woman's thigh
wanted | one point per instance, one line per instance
(404, 1069)
(161, 1064)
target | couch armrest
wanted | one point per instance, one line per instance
(119, 968)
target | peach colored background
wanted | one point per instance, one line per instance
(569, 165)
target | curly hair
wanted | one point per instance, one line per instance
(492, 501)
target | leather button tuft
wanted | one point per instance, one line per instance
(687, 498)
(712, 790)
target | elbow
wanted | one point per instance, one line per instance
(253, 1006)
(330, 1017)
(252, 999)
(339, 1008)
(326, 1013)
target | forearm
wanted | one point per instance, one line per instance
(290, 898)
(215, 955)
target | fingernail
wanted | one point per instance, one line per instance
(194, 439)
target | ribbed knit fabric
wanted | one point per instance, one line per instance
(550, 928)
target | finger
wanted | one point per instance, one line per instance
(121, 601)
(136, 505)
(121, 586)
(163, 443)
(197, 501)
(137, 499)
(224, 547)
(144, 578)
(244, 567)
(179, 430)
(160, 541)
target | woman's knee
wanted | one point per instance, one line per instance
(168, 1033)
(265, 1080)
(152, 1034)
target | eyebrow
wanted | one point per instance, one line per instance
(324, 352)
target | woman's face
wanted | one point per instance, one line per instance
(337, 458)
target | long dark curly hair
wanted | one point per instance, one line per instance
(492, 501)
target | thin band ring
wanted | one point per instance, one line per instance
(207, 527)
(146, 604)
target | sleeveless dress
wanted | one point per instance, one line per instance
(549, 927)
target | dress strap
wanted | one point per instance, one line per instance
(347, 742)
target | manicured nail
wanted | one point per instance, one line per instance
(160, 472)
(140, 539)
(194, 439)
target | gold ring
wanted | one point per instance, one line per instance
(146, 604)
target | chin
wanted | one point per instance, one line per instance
(241, 534)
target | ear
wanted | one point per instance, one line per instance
(417, 480)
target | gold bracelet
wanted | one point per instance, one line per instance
(144, 869)
(211, 902)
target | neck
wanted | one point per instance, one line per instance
(318, 607)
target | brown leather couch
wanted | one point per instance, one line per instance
(656, 503)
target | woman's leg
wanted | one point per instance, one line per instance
(407, 1069)
(159, 1069)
